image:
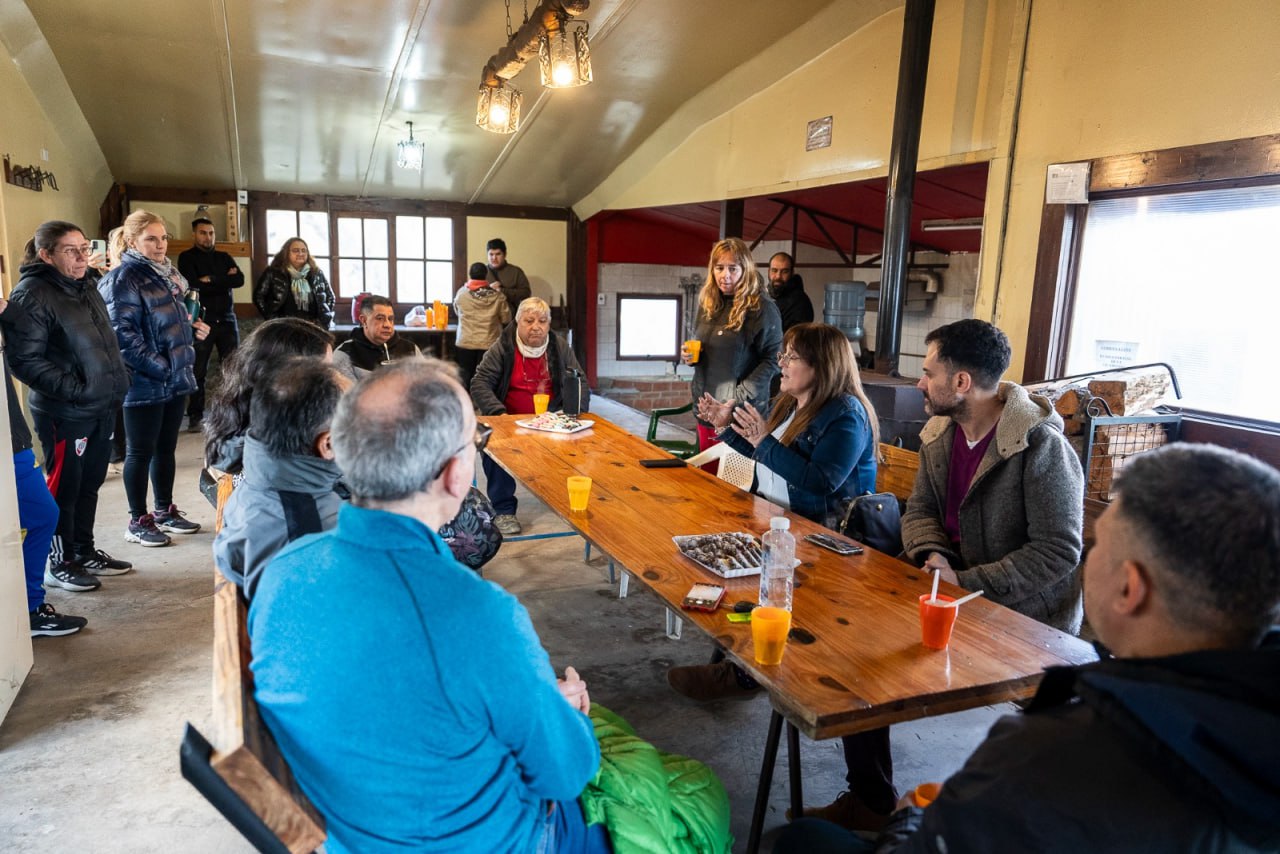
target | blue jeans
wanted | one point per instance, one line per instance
(565, 831)
(38, 516)
(502, 487)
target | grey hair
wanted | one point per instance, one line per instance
(390, 453)
(532, 304)
(1210, 520)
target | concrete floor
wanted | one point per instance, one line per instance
(89, 751)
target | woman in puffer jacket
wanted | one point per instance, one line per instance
(293, 285)
(144, 296)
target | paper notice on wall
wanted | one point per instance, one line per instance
(1067, 184)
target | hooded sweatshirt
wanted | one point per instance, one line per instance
(359, 352)
(482, 313)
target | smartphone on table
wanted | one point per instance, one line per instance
(839, 546)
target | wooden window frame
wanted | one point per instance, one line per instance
(1246, 162)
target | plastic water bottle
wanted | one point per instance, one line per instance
(778, 574)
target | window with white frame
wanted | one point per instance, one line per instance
(1177, 278)
(648, 327)
(311, 226)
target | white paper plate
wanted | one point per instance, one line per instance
(530, 425)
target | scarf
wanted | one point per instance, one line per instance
(165, 270)
(532, 352)
(301, 287)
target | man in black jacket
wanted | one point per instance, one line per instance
(214, 275)
(1173, 744)
(66, 353)
(374, 342)
(787, 290)
(528, 359)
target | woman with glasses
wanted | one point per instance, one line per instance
(145, 296)
(293, 285)
(740, 332)
(817, 446)
(65, 352)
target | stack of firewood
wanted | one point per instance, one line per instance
(1129, 392)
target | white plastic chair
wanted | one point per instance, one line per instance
(735, 469)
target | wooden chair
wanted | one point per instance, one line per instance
(897, 474)
(242, 772)
(675, 447)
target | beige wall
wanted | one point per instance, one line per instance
(39, 114)
(538, 246)
(1106, 78)
(757, 144)
(178, 216)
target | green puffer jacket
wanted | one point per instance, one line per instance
(653, 801)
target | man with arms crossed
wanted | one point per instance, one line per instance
(412, 698)
(997, 506)
(1173, 744)
(214, 275)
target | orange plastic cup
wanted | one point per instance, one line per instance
(769, 628)
(579, 492)
(936, 621)
(429, 317)
(925, 793)
(540, 403)
(694, 346)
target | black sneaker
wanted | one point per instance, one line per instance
(99, 562)
(174, 522)
(195, 424)
(143, 531)
(68, 576)
(46, 622)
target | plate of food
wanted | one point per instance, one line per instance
(728, 555)
(556, 422)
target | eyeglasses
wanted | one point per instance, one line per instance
(75, 251)
(480, 440)
(787, 358)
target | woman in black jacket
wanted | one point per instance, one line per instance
(66, 353)
(144, 295)
(294, 286)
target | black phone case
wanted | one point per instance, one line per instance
(672, 463)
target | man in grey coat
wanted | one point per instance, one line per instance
(998, 506)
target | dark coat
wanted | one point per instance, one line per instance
(367, 356)
(756, 359)
(832, 460)
(493, 375)
(216, 296)
(273, 295)
(19, 433)
(1126, 755)
(793, 303)
(154, 331)
(65, 351)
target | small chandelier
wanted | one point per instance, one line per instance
(498, 108)
(565, 57)
(410, 152)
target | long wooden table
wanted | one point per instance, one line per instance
(854, 661)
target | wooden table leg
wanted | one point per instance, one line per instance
(766, 781)
(793, 765)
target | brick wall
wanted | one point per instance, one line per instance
(648, 393)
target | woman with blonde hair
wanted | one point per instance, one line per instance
(817, 447)
(740, 332)
(145, 296)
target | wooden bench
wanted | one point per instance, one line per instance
(240, 770)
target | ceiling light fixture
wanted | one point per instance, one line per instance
(564, 55)
(973, 223)
(409, 152)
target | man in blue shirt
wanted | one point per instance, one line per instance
(412, 698)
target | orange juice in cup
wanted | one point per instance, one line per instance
(540, 403)
(769, 628)
(694, 347)
(579, 492)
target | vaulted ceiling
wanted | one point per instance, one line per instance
(312, 96)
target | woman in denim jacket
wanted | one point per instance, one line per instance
(818, 446)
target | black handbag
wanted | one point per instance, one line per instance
(874, 519)
(472, 536)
